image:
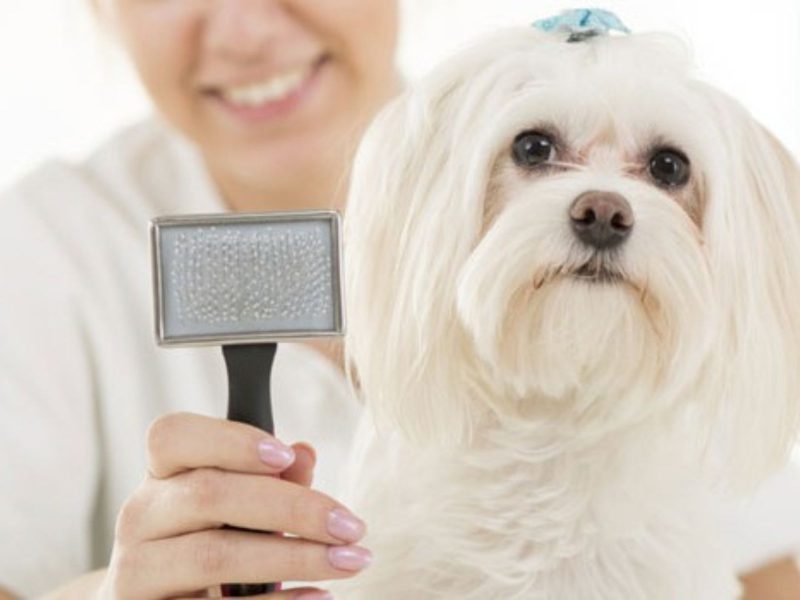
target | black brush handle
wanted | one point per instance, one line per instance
(249, 401)
(249, 370)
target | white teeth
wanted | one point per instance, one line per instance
(275, 88)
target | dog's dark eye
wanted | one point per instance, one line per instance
(669, 167)
(531, 149)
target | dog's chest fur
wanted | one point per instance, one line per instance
(528, 513)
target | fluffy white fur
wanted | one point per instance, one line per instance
(537, 435)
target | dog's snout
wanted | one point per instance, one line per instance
(601, 219)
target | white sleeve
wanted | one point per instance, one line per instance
(766, 526)
(48, 438)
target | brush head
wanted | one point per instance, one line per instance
(247, 278)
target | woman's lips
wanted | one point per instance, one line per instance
(275, 97)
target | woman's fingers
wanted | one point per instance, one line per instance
(304, 593)
(202, 516)
(204, 559)
(302, 469)
(182, 441)
(209, 498)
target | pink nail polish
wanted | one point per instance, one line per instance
(349, 558)
(275, 454)
(343, 525)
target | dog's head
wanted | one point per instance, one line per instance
(579, 229)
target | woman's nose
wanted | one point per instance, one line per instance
(241, 29)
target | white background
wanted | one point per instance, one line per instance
(63, 88)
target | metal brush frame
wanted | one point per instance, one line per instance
(247, 218)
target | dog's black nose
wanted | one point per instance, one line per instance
(601, 219)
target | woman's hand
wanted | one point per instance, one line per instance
(205, 473)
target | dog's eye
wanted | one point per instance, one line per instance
(669, 167)
(531, 149)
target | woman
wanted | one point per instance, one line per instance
(260, 104)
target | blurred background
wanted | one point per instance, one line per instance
(65, 87)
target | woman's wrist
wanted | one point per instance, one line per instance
(777, 580)
(84, 587)
(7, 595)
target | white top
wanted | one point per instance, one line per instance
(81, 376)
(767, 525)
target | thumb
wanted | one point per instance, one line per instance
(302, 469)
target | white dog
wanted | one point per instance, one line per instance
(572, 271)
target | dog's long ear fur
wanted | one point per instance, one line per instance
(401, 263)
(753, 232)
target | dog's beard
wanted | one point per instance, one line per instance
(552, 318)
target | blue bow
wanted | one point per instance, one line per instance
(582, 23)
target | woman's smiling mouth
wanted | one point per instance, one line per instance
(274, 96)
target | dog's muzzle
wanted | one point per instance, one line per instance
(602, 220)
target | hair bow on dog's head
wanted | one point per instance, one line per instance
(582, 23)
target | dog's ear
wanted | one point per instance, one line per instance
(753, 233)
(414, 212)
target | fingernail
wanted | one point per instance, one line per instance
(343, 525)
(315, 596)
(349, 558)
(275, 454)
